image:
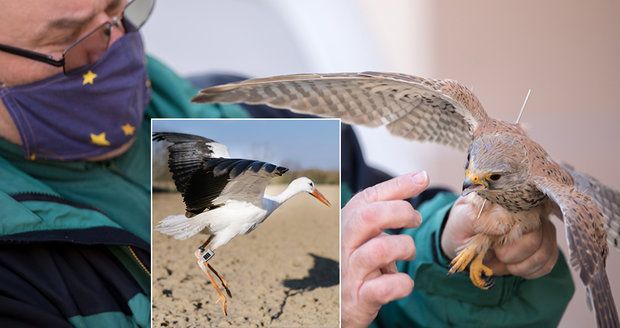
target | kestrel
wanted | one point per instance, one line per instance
(504, 166)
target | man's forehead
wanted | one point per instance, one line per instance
(49, 10)
(80, 10)
(22, 17)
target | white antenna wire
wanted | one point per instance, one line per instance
(523, 106)
(481, 208)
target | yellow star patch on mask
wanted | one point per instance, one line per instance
(128, 129)
(99, 139)
(89, 78)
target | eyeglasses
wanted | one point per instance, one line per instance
(79, 53)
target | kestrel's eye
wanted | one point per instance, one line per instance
(495, 177)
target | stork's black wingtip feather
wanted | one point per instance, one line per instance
(177, 137)
(281, 170)
(158, 136)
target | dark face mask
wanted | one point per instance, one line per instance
(86, 114)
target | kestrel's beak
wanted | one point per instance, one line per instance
(316, 194)
(472, 183)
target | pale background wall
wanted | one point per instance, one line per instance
(566, 51)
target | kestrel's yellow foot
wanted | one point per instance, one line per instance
(462, 259)
(479, 274)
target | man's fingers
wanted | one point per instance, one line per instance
(546, 268)
(542, 260)
(384, 289)
(499, 268)
(521, 249)
(534, 264)
(390, 268)
(368, 221)
(380, 252)
(402, 187)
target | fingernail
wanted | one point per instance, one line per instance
(419, 217)
(420, 178)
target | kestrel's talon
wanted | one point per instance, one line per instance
(462, 260)
(481, 275)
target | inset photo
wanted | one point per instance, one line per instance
(246, 222)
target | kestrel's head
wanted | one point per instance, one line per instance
(495, 162)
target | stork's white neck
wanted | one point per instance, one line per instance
(272, 202)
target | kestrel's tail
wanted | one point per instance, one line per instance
(181, 227)
(599, 296)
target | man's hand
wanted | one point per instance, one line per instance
(532, 256)
(368, 255)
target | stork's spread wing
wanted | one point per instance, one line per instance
(187, 153)
(442, 111)
(207, 178)
(587, 245)
(221, 179)
(607, 199)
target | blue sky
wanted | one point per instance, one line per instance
(296, 144)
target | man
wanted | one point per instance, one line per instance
(76, 98)
(534, 284)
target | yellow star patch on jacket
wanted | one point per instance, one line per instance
(89, 78)
(99, 139)
(128, 129)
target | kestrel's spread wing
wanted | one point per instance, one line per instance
(607, 199)
(442, 111)
(587, 244)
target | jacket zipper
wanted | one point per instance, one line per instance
(137, 259)
(111, 166)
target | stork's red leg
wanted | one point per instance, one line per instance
(203, 256)
(204, 245)
(224, 284)
(218, 290)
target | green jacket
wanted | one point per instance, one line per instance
(75, 236)
(440, 300)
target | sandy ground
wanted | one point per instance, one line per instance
(283, 274)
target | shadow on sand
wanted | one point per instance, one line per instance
(324, 273)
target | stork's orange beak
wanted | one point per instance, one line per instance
(472, 183)
(316, 194)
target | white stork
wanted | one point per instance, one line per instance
(224, 197)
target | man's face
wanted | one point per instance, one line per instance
(48, 27)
